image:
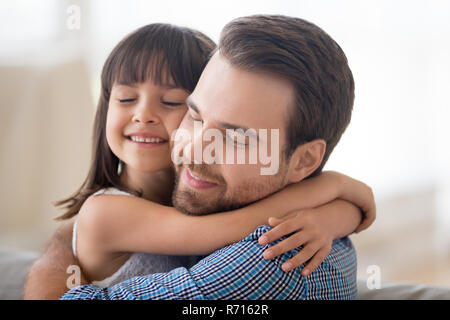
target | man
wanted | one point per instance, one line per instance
(271, 72)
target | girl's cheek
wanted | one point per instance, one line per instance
(180, 118)
(175, 122)
(185, 122)
(116, 118)
(114, 127)
(111, 124)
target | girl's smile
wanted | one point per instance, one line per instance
(145, 139)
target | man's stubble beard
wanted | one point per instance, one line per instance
(189, 202)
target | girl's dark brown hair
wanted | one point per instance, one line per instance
(161, 52)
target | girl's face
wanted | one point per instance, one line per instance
(140, 121)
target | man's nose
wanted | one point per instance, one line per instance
(146, 113)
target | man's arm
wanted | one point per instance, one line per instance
(239, 271)
(48, 275)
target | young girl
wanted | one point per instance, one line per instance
(125, 225)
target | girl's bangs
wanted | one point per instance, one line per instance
(139, 67)
(161, 54)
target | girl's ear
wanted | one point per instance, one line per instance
(305, 160)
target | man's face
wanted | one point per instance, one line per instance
(227, 97)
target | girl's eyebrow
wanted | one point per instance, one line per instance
(135, 85)
(170, 86)
(123, 84)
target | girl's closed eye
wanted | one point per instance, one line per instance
(172, 103)
(124, 94)
(174, 98)
(126, 100)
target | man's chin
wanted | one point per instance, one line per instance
(189, 203)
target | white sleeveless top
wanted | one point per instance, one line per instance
(139, 264)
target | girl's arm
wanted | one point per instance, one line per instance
(328, 186)
(117, 223)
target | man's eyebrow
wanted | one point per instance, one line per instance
(252, 133)
(192, 105)
(228, 125)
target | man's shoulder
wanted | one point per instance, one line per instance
(259, 231)
(342, 254)
(242, 264)
(235, 251)
(239, 271)
(335, 278)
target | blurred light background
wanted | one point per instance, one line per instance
(397, 142)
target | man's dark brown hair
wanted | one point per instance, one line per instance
(310, 60)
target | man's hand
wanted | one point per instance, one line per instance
(48, 276)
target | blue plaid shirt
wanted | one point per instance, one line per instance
(239, 271)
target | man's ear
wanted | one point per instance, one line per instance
(305, 160)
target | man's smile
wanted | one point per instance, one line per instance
(194, 181)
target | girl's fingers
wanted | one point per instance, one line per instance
(280, 230)
(286, 245)
(361, 227)
(316, 261)
(273, 222)
(368, 220)
(304, 255)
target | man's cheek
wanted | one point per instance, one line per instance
(180, 143)
(234, 174)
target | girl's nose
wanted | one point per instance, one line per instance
(145, 114)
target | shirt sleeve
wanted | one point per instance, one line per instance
(238, 271)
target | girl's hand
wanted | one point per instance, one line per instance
(314, 229)
(316, 243)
